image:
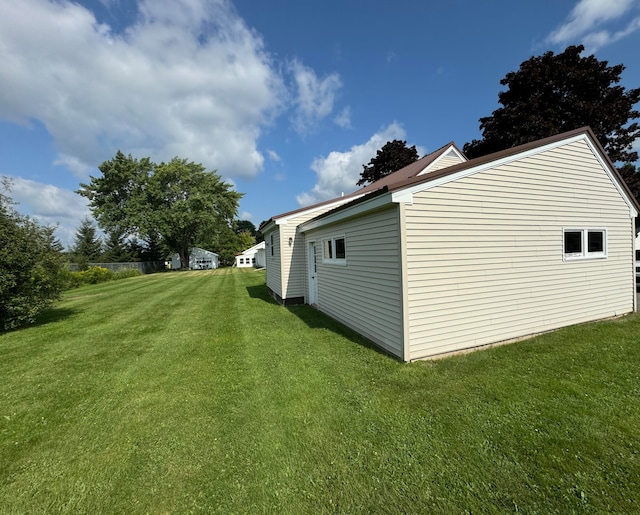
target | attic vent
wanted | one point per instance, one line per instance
(451, 153)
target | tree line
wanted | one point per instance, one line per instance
(117, 247)
(168, 207)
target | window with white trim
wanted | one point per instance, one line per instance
(584, 243)
(334, 250)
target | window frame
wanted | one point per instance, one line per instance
(584, 242)
(329, 247)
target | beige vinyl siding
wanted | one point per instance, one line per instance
(365, 294)
(445, 162)
(293, 257)
(485, 252)
(274, 271)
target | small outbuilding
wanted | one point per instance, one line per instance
(199, 259)
(449, 254)
(252, 257)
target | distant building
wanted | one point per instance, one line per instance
(253, 256)
(199, 259)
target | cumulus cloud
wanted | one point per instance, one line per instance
(314, 97)
(338, 172)
(587, 20)
(50, 205)
(188, 78)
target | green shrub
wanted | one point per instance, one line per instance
(124, 274)
(69, 279)
(30, 260)
(94, 275)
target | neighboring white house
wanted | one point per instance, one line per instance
(449, 254)
(252, 257)
(199, 259)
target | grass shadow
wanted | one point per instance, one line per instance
(53, 315)
(260, 292)
(50, 316)
(315, 319)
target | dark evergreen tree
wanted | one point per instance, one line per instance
(87, 247)
(136, 249)
(115, 248)
(551, 94)
(393, 156)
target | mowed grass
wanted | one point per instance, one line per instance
(193, 392)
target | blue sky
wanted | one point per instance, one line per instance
(285, 99)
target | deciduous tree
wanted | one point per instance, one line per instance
(390, 158)
(554, 93)
(172, 204)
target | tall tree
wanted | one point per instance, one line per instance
(390, 158)
(30, 265)
(117, 197)
(115, 248)
(551, 94)
(631, 176)
(172, 203)
(87, 247)
(186, 202)
(244, 226)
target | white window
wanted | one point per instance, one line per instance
(334, 250)
(581, 243)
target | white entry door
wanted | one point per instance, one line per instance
(313, 274)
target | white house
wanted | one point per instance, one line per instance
(199, 259)
(252, 257)
(450, 254)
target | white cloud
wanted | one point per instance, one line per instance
(314, 97)
(585, 23)
(50, 205)
(344, 118)
(338, 172)
(245, 215)
(273, 155)
(189, 78)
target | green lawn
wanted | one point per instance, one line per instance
(193, 392)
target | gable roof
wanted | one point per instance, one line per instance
(256, 247)
(421, 166)
(407, 184)
(494, 159)
(415, 169)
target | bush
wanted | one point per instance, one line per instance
(124, 274)
(95, 275)
(30, 266)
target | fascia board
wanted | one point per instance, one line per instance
(406, 195)
(349, 212)
(325, 207)
(633, 212)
